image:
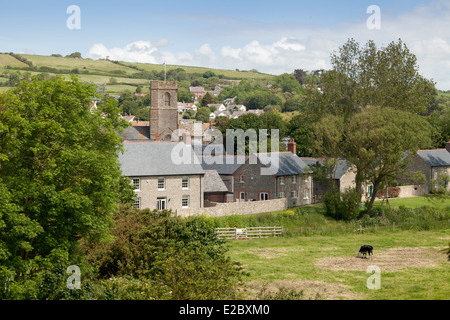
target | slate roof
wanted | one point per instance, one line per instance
(341, 168)
(288, 163)
(155, 159)
(213, 182)
(209, 149)
(224, 165)
(136, 133)
(436, 157)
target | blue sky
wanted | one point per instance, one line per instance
(270, 36)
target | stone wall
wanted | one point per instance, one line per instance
(236, 208)
(412, 191)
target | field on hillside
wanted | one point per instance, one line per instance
(324, 264)
(231, 74)
(102, 71)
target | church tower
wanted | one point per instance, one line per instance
(163, 109)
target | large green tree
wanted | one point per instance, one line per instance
(369, 110)
(368, 75)
(60, 176)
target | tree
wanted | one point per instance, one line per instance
(203, 114)
(378, 95)
(300, 75)
(363, 76)
(208, 99)
(60, 176)
(375, 141)
(208, 74)
(288, 83)
(184, 95)
(76, 55)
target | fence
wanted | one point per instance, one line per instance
(248, 233)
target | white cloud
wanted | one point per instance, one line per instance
(424, 29)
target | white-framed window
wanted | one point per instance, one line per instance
(185, 202)
(294, 194)
(185, 183)
(242, 196)
(281, 179)
(282, 194)
(263, 196)
(161, 183)
(137, 184)
(137, 203)
(306, 194)
(161, 203)
(294, 179)
(242, 178)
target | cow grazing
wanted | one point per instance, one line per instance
(365, 250)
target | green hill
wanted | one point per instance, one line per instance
(114, 76)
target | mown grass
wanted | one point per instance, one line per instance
(292, 258)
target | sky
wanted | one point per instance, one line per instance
(270, 36)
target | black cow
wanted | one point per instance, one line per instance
(364, 250)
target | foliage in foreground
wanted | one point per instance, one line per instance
(174, 258)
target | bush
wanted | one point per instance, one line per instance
(342, 206)
(183, 256)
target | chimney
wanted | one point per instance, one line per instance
(447, 146)
(292, 146)
(187, 137)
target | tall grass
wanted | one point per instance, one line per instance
(307, 221)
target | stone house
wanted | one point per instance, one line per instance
(343, 177)
(266, 176)
(431, 163)
(160, 180)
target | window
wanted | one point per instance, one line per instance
(242, 196)
(185, 183)
(306, 179)
(137, 203)
(161, 183)
(137, 184)
(185, 202)
(294, 194)
(167, 99)
(282, 195)
(242, 178)
(281, 180)
(306, 194)
(161, 203)
(294, 179)
(263, 196)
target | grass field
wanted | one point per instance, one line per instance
(327, 266)
(410, 264)
(7, 60)
(232, 74)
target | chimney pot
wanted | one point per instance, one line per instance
(292, 146)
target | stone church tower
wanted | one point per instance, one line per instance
(163, 109)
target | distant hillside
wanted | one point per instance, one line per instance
(113, 76)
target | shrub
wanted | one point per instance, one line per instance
(342, 206)
(184, 256)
